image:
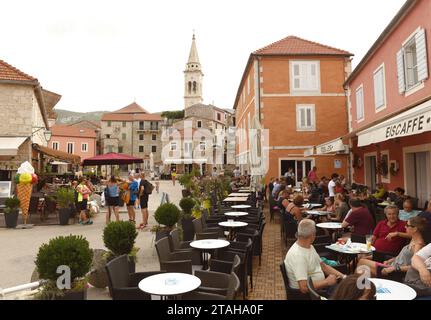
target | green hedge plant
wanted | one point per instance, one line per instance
(11, 204)
(187, 204)
(119, 237)
(168, 215)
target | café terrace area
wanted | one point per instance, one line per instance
(209, 238)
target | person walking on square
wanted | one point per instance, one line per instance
(83, 195)
(145, 189)
(112, 195)
(133, 194)
(174, 176)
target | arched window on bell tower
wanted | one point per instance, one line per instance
(194, 87)
(190, 87)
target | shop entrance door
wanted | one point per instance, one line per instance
(371, 172)
(417, 173)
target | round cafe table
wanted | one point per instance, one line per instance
(350, 253)
(169, 284)
(241, 206)
(236, 214)
(332, 227)
(392, 290)
(317, 213)
(207, 245)
(232, 225)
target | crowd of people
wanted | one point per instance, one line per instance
(402, 237)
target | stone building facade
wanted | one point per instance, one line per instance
(133, 131)
(25, 108)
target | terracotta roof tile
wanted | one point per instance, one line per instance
(8, 72)
(131, 117)
(72, 131)
(296, 46)
(132, 108)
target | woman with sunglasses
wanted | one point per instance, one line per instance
(416, 228)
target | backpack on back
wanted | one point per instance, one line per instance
(148, 187)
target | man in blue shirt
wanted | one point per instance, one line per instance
(133, 193)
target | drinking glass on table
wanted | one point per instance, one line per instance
(368, 241)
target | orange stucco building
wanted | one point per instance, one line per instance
(390, 106)
(294, 89)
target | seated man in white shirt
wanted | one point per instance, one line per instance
(302, 261)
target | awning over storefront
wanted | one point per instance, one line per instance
(185, 161)
(9, 145)
(56, 154)
(309, 152)
(411, 122)
(333, 146)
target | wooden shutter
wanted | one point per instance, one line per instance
(401, 73)
(421, 52)
(379, 99)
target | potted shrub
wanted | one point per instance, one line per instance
(186, 181)
(187, 205)
(167, 215)
(65, 199)
(11, 212)
(71, 251)
(119, 237)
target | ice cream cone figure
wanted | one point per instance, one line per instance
(25, 178)
(24, 195)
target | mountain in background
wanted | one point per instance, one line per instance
(68, 117)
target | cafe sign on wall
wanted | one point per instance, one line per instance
(411, 122)
(331, 147)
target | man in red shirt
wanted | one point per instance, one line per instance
(360, 219)
(390, 234)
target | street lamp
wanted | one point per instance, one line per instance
(47, 133)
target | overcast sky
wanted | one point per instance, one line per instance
(103, 55)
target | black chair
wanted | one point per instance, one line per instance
(179, 258)
(218, 283)
(241, 271)
(225, 266)
(246, 249)
(201, 234)
(175, 242)
(291, 294)
(124, 285)
(313, 293)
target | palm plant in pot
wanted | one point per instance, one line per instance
(65, 198)
(167, 216)
(11, 212)
(119, 237)
(187, 205)
(64, 263)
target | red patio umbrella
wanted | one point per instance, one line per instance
(111, 158)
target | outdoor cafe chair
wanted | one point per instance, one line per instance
(241, 271)
(167, 256)
(291, 294)
(124, 285)
(314, 295)
(218, 283)
(201, 234)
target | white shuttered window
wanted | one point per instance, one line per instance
(305, 117)
(412, 62)
(305, 76)
(379, 88)
(360, 103)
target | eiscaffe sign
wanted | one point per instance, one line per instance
(408, 127)
(414, 121)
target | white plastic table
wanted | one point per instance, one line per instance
(241, 206)
(235, 194)
(317, 213)
(236, 214)
(232, 225)
(350, 253)
(236, 199)
(169, 284)
(392, 290)
(207, 245)
(329, 225)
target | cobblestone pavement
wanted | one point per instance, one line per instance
(19, 247)
(267, 278)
